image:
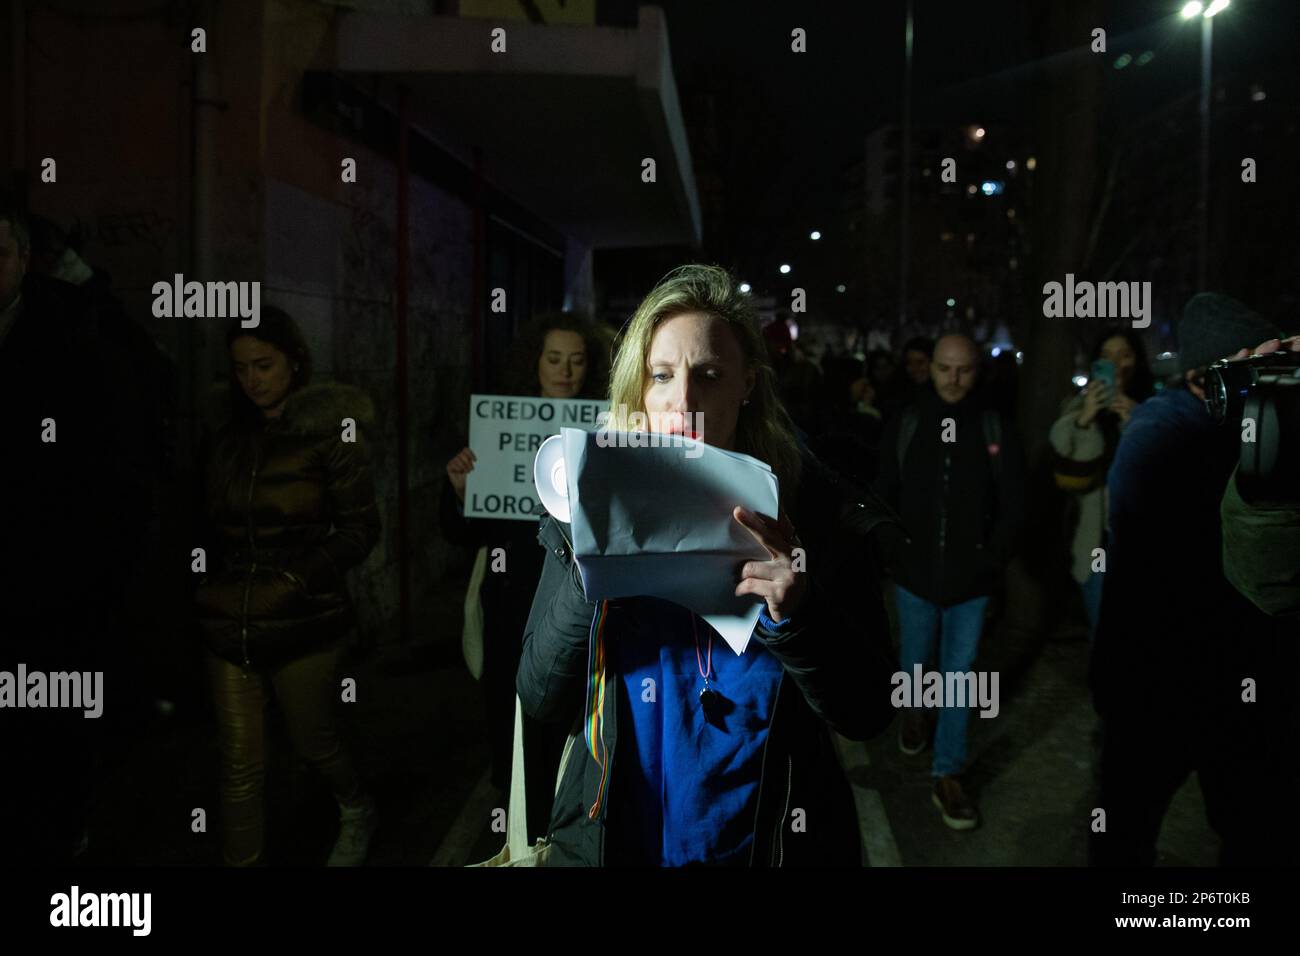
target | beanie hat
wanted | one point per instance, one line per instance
(1215, 326)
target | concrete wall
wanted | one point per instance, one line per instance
(331, 260)
(240, 185)
(277, 211)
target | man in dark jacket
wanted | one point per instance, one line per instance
(1186, 673)
(955, 473)
(58, 497)
(835, 673)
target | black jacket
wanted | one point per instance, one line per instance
(293, 508)
(62, 509)
(507, 596)
(837, 669)
(961, 514)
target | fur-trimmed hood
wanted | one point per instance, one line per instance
(317, 409)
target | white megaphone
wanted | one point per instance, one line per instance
(551, 479)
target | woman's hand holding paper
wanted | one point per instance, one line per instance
(776, 581)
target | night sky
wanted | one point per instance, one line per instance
(973, 63)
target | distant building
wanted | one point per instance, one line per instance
(966, 235)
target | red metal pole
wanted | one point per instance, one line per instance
(477, 312)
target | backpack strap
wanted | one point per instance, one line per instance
(909, 417)
(991, 421)
(993, 436)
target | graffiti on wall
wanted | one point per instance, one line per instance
(132, 227)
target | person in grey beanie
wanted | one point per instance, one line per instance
(1186, 674)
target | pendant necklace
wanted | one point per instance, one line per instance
(707, 695)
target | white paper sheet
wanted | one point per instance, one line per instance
(658, 522)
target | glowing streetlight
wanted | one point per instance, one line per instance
(785, 269)
(744, 287)
(1189, 11)
(1195, 8)
(814, 235)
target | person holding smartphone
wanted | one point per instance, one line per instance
(1084, 439)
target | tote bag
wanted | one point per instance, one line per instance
(517, 852)
(471, 634)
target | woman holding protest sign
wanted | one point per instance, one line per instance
(558, 355)
(722, 759)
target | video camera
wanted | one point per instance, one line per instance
(1264, 389)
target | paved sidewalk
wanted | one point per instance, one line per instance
(419, 740)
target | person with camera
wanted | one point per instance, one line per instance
(1261, 528)
(1184, 670)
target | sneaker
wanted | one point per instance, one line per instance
(958, 811)
(912, 733)
(356, 826)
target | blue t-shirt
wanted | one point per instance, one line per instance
(685, 784)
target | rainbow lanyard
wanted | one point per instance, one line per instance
(594, 730)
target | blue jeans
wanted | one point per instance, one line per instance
(958, 629)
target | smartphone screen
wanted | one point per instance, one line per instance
(1103, 370)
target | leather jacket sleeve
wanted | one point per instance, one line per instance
(837, 649)
(551, 680)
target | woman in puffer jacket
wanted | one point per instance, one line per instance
(290, 495)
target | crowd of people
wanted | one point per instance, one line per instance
(903, 481)
(932, 438)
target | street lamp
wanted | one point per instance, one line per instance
(814, 235)
(785, 269)
(905, 192)
(1207, 15)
